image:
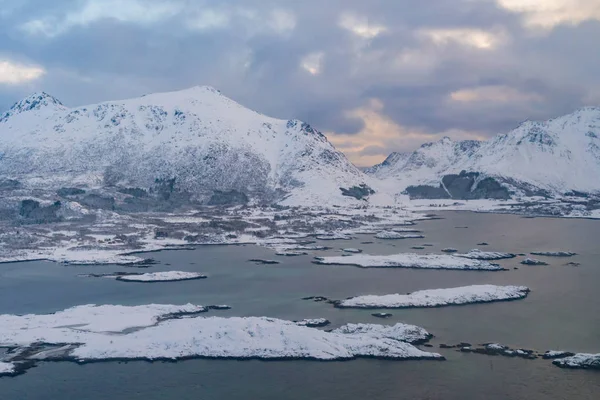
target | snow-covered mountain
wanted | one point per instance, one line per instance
(556, 156)
(204, 140)
(426, 164)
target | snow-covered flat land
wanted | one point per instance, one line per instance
(156, 332)
(409, 260)
(166, 276)
(438, 297)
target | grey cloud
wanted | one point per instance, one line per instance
(261, 68)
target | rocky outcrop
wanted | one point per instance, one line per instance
(464, 186)
(67, 192)
(31, 211)
(228, 198)
(358, 192)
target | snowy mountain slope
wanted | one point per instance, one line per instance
(558, 156)
(198, 136)
(426, 164)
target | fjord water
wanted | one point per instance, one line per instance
(560, 313)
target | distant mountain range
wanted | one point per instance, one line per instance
(197, 145)
(554, 157)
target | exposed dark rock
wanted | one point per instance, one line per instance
(573, 264)
(9, 184)
(483, 244)
(449, 250)
(554, 253)
(219, 307)
(418, 247)
(495, 349)
(381, 315)
(553, 355)
(261, 261)
(66, 192)
(533, 261)
(313, 323)
(161, 234)
(464, 186)
(98, 201)
(32, 212)
(135, 192)
(228, 198)
(489, 188)
(317, 299)
(426, 192)
(358, 192)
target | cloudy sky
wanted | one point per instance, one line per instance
(376, 76)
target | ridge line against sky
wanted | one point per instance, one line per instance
(376, 77)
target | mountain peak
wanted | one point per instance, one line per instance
(35, 101)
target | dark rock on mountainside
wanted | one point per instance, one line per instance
(98, 201)
(135, 192)
(464, 186)
(32, 212)
(9, 184)
(67, 192)
(228, 198)
(358, 192)
(426, 192)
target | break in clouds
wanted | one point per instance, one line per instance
(376, 76)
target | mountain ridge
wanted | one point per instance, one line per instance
(556, 156)
(200, 137)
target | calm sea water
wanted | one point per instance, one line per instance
(560, 313)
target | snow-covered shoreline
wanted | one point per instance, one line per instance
(438, 297)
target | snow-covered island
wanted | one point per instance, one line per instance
(554, 253)
(409, 260)
(393, 235)
(553, 354)
(352, 250)
(438, 297)
(313, 322)
(166, 276)
(157, 332)
(533, 261)
(579, 361)
(477, 254)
